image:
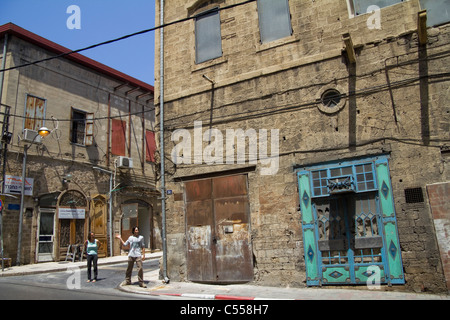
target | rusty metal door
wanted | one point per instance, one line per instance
(218, 232)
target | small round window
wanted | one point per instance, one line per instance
(330, 100)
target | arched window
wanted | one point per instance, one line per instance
(73, 199)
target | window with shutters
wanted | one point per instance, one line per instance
(81, 127)
(208, 39)
(118, 137)
(150, 144)
(274, 20)
(34, 113)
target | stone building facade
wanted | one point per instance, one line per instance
(302, 139)
(94, 172)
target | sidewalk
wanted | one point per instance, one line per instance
(44, 267)
(189, 290)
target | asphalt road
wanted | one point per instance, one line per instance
(72, 285)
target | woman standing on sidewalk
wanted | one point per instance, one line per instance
(91, 247)
(136, 254)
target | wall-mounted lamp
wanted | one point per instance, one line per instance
(44, 131)
(6, 137)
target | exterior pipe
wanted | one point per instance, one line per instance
(161, 124)
(22, 194)
(2, 74)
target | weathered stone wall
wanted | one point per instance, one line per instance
(394, 101)
(65, 84)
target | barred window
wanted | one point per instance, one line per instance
(414, 195)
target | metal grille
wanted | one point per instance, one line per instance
(414, 195)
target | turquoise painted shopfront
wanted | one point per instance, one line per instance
(349, 223)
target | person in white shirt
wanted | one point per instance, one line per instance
(136, 254)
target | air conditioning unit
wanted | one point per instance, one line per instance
(31, 136)
(125, 163)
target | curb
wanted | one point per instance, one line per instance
(215, 296)
(207, 296)
(197, 295)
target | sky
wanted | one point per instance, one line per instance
(98, 21)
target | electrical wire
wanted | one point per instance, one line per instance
(120, 38)
(254, 114)
(271, 110)
(229, 117)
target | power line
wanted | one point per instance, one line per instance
(237, 116)
(255, 114)
(62, 120)
(120, 38)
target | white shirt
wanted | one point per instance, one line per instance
(136, 244)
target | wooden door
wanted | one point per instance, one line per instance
(99, 223)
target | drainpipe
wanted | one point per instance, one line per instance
(5, 44)
(161, 124)
(22, 196)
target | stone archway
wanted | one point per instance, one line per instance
(72, 207)
(139, 213)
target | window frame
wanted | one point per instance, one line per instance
(198, 43)
(264, 39)
(33, 119)
(88, 130)
(432, 21)
(321, 175)
(353, 12)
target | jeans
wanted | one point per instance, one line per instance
(131, 261)
(90, 259)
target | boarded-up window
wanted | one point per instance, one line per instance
(82, 127)
(361, 6)
(274, 19)
(118, 137)
(438, 11)
(208, 40)
(34, 113)
(150, 146)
